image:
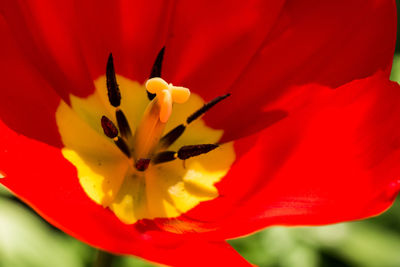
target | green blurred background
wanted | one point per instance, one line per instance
(26, 240)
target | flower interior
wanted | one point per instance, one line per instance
(137, 152)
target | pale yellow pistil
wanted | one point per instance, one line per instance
(156, 116)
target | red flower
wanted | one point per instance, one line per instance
(313, 117)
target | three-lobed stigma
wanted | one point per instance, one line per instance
(166, 94)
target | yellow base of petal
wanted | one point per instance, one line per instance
(108, 176)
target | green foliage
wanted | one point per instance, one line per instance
(25, 240)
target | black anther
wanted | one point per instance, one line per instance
(114, 95)
(175, 133)
(109, 127)
(206, 107)
(171, 136)
(156, 69)
(123, 124)
(164, 157)
(186, 152)
(123, 146)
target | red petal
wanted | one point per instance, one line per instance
(211, 42)
(46, 40)
(334, 159)
(279, 177)
(69, 43)
(311, 42)
(39, 175)
(27, 102)
(233, 44)
(134, 31)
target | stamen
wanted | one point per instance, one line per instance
(122, 145)
(186, 152)
(171, 136)
(206, 107)
(111, 131)
(175, 133)
(156, 70)
(183, 153)
(165, 157)
(142, 164)
(150, 96)
(123, 124)
(114, 95)
(109, 127)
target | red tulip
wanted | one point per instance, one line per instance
(310, 134)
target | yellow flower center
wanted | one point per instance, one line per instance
(111, 177)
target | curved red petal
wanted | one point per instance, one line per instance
(45, 38)
(40, 176)
(211, 42)
(335, 158)
(69, 42)
(329, 43)
(212, 48)
(27, 102)
(134, 31)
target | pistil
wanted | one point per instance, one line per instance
(149, 131)
(151, 128)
